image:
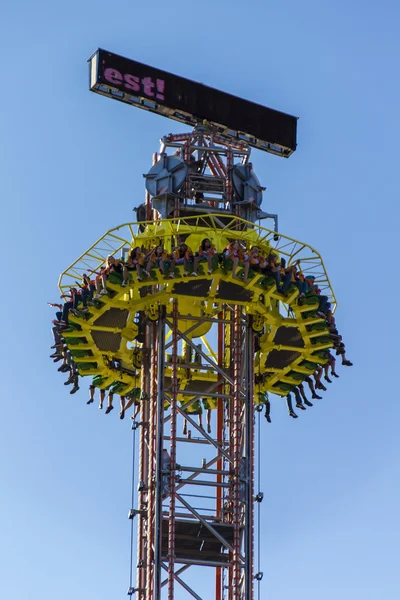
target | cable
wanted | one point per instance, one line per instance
(132, 501)
(259, 507)
(134, 427)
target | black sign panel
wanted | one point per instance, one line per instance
(190, 102)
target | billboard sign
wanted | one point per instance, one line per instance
(190, 102)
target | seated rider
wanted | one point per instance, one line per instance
(206, 252)
(209, 404)
(290, 406)
(85, 294)
(73, 377)
(182, 255)
(157, 258)
(253, 260)
(62, 316)
(341, 351)
(88, 288)
(234, 252)
(298, 396)
(129, 399)
(112, 265)
(338, 344)
(135, 262)
(263, 398)
(317, 376)
(289, 275)
(329, 364)
(300, 283)
(57, 337)
(103, 384)
(69, 365)
(303, 394)
(273, 268)
(192, 408)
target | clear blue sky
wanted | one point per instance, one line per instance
(71, 167)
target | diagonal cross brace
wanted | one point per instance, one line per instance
(183, 584)
(205, 523)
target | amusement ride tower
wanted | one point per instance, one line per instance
(199, 350)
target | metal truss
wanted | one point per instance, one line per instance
(195, 515)
(124, 236)
(210, 158)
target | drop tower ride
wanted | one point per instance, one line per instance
(206, 350)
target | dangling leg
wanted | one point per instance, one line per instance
(85, 297)
(137, 410)
(66, 366)
(209, 261)
(235, 264)
(124, 276)
(102, 396)
(186, 266)
(333, 365)
(200, 418)
(312, 389)
(91, 394)
(131, 400)
(139, 272)
(75, 387)
(122, 407)
(92, 289)
(277, 276)
(185, 427)
(171, 269)
(185, 430)
(58, 344)
(317, 377)
(110, 402)
(103, 292)
(299, 403)
(290, 406)
(147, 270)
(246, 271)
(267, 410)
(303, 395)
(74, 377)
(197, 356)
(66, 308)
(346, 362)
(326, 370)
(209, 420)
(98, 287)
(286, 282)
(196, 261)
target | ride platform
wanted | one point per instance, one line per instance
(106, 340)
